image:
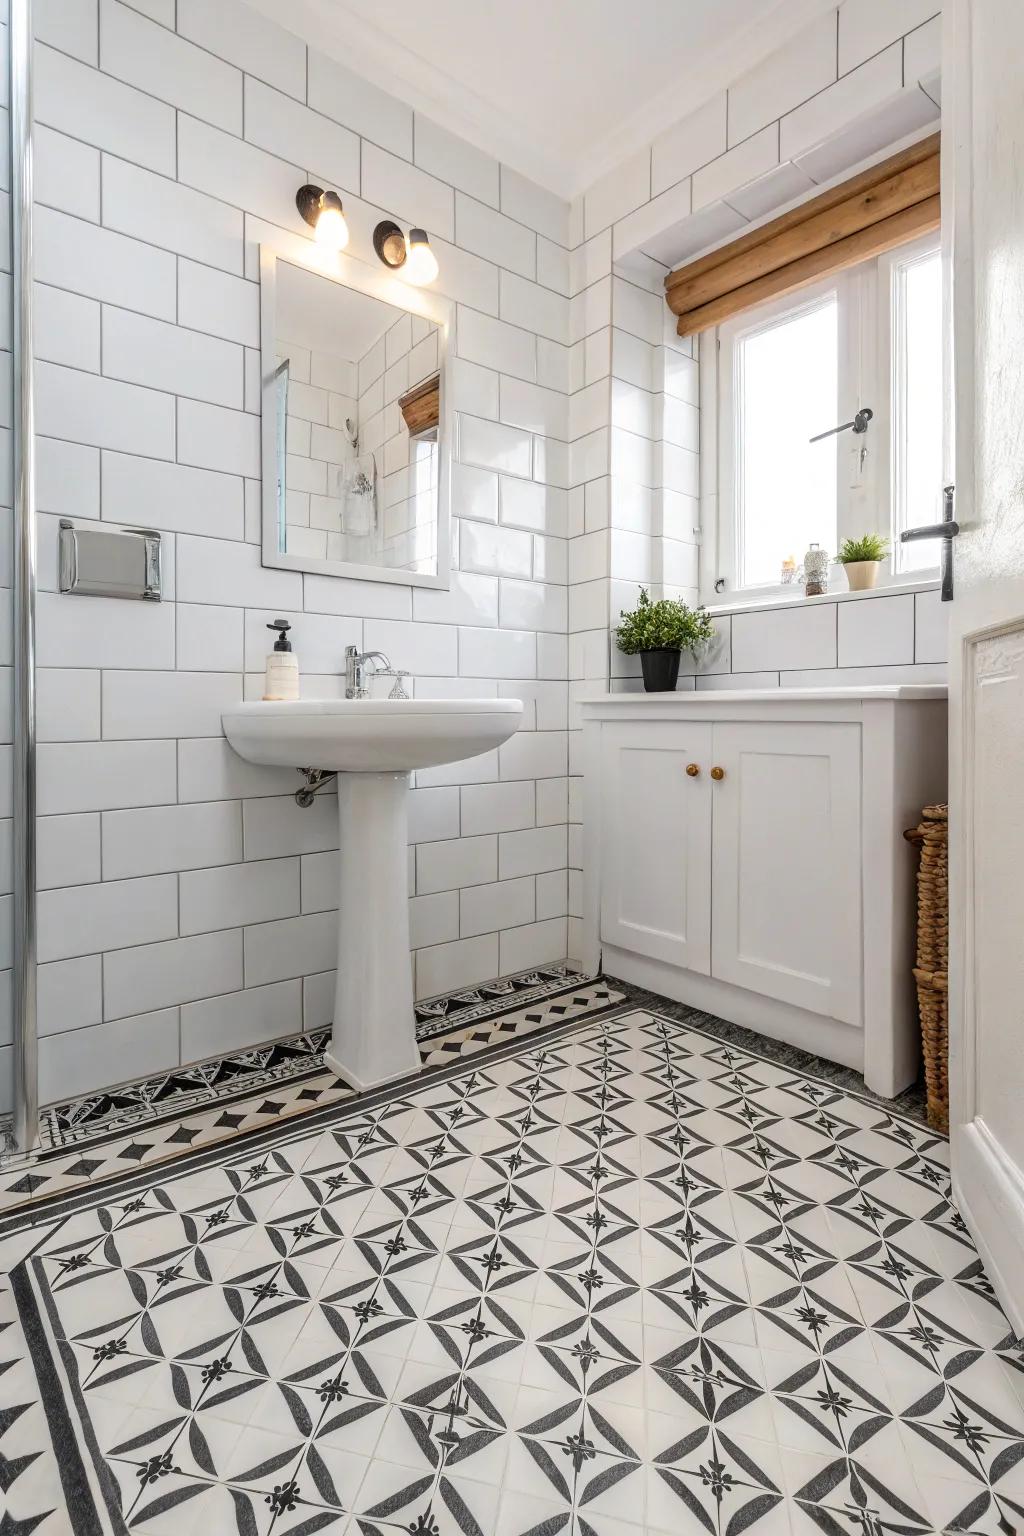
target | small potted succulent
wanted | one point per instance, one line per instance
(861, 560)
(658, 632)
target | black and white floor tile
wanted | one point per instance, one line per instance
(624, 1278)
(265, 1066)
(104, 1134)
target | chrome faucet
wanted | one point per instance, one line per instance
(355, 670)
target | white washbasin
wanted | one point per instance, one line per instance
(372, 745)
(369, 735)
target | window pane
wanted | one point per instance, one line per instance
(788, 391)
(917, 418)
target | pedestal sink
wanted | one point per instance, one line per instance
(372, 745)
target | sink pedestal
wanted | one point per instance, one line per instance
(374, 1036)
(372, 745)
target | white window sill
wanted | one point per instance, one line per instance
(783, 598)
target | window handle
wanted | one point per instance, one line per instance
(858, 424)
(932, 531)
(947, 531)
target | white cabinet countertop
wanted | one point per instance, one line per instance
(768, 696)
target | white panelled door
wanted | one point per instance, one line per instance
(983, 228)
(656, 884)
(786, 868)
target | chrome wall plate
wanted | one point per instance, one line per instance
(109, 562)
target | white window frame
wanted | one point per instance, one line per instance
(865, 495)
(888, 264)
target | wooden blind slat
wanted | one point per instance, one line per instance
(920, 219)
(421, 407)
(922, 150)
(872, 207)
(790, 243)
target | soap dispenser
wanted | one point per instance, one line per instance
(282, 678)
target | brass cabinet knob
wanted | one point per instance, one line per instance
(692, 769)
(718, 773)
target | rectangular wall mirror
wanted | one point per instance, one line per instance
(356, 426)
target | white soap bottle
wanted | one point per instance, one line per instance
(282, 676)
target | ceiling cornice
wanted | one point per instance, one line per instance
(395, 67)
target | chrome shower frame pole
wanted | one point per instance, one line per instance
(26, 1061)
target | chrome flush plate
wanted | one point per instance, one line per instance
(110, 562)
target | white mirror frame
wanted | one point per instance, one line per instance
(339, 268)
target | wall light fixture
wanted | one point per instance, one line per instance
(324, 211)
(412, 254)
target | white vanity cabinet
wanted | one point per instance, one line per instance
(656, 851)
(785, 872)
(744, 853)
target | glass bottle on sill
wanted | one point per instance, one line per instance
(816, 564)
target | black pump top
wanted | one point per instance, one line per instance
(282, 643)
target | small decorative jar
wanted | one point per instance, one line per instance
(816, 564)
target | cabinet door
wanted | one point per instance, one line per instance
(656, 820)
(786, 867)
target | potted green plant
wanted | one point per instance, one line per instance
(861, 559)
(658, 632)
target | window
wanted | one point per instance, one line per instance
(790, 370)
(787, 384)
(915, 282)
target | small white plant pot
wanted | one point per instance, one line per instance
(862, 575)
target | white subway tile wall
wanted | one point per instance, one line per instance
(187, 905)
(851, 82)
(576, 480)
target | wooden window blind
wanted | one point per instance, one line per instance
(892, 202)
(421, 407)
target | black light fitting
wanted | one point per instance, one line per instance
(325, 213)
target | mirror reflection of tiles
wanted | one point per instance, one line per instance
(352, 383)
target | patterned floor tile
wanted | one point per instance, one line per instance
(621, 1279)
(103, 1136)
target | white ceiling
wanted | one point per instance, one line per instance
(561, 90)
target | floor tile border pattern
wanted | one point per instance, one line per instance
(116, 1150)
(471, 1005)
(239, 1073)
(321, 1090)
(293, 1067)
(843, 1492)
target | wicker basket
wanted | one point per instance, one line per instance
(930, 972)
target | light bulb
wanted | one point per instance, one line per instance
(331, 228)
(420, 262)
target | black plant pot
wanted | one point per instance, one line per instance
(661, 670)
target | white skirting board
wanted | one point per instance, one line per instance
(994, 1211)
